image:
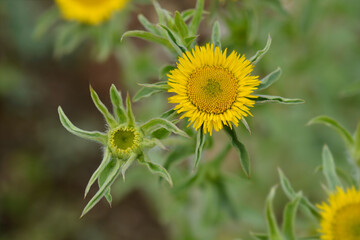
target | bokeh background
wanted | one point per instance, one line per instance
(44, 169)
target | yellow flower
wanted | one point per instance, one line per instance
(341, 216)
(212, 89)
(89, 11)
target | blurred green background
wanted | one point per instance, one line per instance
(44, 169)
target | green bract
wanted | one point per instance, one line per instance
(124, 142)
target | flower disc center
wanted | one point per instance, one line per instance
(123, 140)
(212, 89)
(347, 222)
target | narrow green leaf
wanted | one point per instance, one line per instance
(240, 147)
(118, 106)
(195, 21)
(200, 141)
(177, 154)
(215, 35)
(111, 177)
(260, 236)
(147, 36)
(330, 122)
(103, 109)
(289, 218)
(259, 54)
(357, 144)
(291, 194)
(269, 79)
(175, 43)
(148, 25)
(130, 114)
(277, 99)
(162, 85)
(180, 25)
(246, 125)
(191, 181)
(157, 123)
(147, 92)
(69, 36)
(165, 71)
(157, 169)
(90, 135)
(159, 12)
(189, 40)
(97, 172)
(329, 169)
(127, 164)
(45, 22)
(273, 229)
(187, 14)
(108, 196)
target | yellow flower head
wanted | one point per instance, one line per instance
(212, 89)
(89, 11)
(341, 216)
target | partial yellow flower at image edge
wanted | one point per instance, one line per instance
(89, 11)
(341, 215)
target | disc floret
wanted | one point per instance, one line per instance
(124, 142)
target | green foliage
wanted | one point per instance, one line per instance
(200, 141)
(240, 147)
(329, 170)
(172, 31)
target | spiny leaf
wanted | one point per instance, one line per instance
(149, 90)
(276, 99)
(240, 147)
(147, 36)
(195, 22)
(357, 143)
(159, 12)
(215, 35)
(269, 79)
(274, 232)
(289, 218)
(180, 25)
(127, 164)
(177, 154)
(118, 107)
(69, 37)
(157, 169)
(45, 22)
(259, 54)
(159, 85)
(90, 135)
(260, 236)
(102, 108)
(200, 141)
(187, 14)
(111, 176)
(329, 169)
(174, 41)
(330, 122)
(246, 125)
(130, 114)
(148, 25)
(157, 123)
(165, 70)
(291, 194)
(97, 172)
